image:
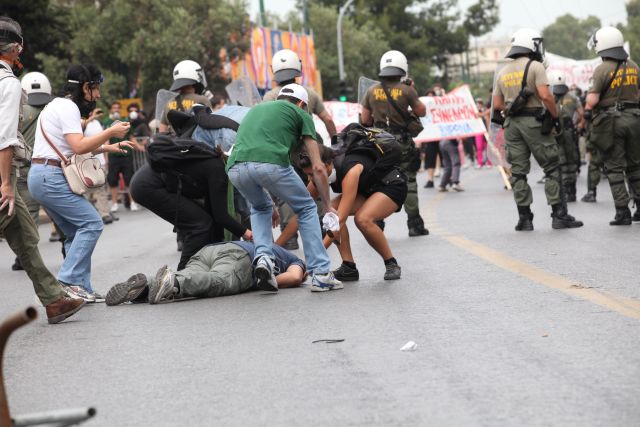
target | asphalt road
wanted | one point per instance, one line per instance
(538, 328)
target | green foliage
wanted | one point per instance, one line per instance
(632, 30)
(44, 29)
(568, 36)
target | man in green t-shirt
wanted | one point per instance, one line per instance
(260, 161)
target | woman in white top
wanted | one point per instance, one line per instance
(62, 122)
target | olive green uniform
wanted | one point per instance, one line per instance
(22, 234)
(594, 170)
(523, 135)
(569, 153)
(183, 102)
(616, 126)
(314, 106)
(28, 129)
(386, 117)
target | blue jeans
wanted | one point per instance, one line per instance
(75, 215)
(252, 179)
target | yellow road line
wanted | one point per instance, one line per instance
(629, 307)
(626, 306)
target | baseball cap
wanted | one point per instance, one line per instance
(296, 91)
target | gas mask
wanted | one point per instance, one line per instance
(133, 115)
(114, 115)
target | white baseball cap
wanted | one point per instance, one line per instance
(296, 91)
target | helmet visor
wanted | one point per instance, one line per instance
(592, 42)
(539, 46)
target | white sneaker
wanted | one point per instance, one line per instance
(114, 207)
(325, 282)
(437, 174)
(457, 187)
(134, 206)
(265, 278)
(162, 287)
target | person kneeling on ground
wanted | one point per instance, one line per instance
(216, 270)
(367, 193)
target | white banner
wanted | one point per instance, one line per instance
(577, 72)
(343, 113)
(451, 116)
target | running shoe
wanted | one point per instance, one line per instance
(98, 297)
(127, 291)
(346, 273)
(79, 292)
(114, 207)
(162, 288)
(265, 278)
(325, 282)
(457, 187)
(393, 272)
(134, 207)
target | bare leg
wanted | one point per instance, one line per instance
(377, 206)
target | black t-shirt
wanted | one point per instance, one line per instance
(366, 178)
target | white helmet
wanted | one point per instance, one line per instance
(393, 63)
(286, 65)
(37, 87)
(526, 41)
(608, 42)
(558, 81)
(188, 73)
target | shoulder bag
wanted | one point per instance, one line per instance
(82, 171)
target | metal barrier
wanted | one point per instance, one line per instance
(60, 418)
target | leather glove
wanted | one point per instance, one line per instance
(557, 126)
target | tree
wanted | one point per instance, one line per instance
(632, 30)
(426, 31)
(568, 36)
(45, 28)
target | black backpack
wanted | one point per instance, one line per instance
(165, 153)
(381, 146)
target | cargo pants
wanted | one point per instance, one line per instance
(523, 138)
(22, 236)
(410, 164)
(216, 271)
(616, 135)
(569, 157)
(21, 186)
(594, 170)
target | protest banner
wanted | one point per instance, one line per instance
(451, 116)
(576, 72)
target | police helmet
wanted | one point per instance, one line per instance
(608, 42)
(526, 41)
(286, 65)
(37, 87)
(188, 73)
(558, 81)
(393, 64)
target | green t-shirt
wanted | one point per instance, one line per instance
(269, 132)
(107, 124)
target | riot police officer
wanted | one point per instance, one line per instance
(522, 93)
(612, 105)
(38, 89)
(386, 105)
(189, 80)
(570, 112)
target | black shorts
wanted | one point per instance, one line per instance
(393, 185)
(117, 166)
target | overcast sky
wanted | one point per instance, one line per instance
(514, 14)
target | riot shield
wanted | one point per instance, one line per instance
(364, 84)
(243, 92)
(162, 99)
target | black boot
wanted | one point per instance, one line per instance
(17, 266)
(562, 219)
(590, 197)
(416, 226)
(623, 216)
(636, 215)
(525, 221)
(571, 192)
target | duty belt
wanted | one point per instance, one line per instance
(528, 112)
(621, 106)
